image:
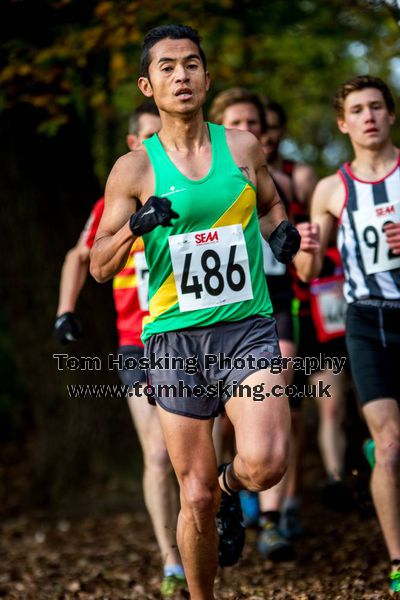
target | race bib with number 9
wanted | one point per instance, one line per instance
(370, 225)
(211, 267)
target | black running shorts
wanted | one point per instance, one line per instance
(309, 346)
(373, 343)
(284, 321)
(129, 376)
(240, 348)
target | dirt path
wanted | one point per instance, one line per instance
(114, 556)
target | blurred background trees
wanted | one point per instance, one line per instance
(68, 73)
(63, 55)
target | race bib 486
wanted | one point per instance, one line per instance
(211, 267)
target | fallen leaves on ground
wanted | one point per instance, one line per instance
(115, 556)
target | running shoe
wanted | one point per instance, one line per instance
(290, 524)
(394, 587)
(230, 528)
(250, 508)
(369, 451)
(171, 584)
(273, 545)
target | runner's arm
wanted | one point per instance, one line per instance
(269, 204)
(114, 237)
(73, 276)
(315, 235)
(76, 263)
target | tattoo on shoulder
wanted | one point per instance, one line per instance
(245, 171)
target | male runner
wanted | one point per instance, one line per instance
(130, 297)
(303, 180)
(331, 437)
(208, 296)
(238, 108)
(364, 197)
(304, 177)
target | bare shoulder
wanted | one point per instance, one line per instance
(329, 195)
(246, 152)
(301, 170)
(241, 140)
(132, 173)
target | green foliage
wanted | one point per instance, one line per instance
(295, 51)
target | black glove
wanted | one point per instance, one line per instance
(284, 242)
(67, 328)
(156, 211)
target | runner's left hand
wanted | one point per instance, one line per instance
(67, 328)
(284, 242)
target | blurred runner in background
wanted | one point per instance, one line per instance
(238, 108)
(318, 314)
(130, 289)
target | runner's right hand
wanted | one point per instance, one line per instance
(392, 231)
(156, 211)
(310, 241)
(67, 328)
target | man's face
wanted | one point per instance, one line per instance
(273, 136)
(366, 118)
(244, 116)
(147, 125)
(177, 79)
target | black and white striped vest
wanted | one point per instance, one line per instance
(371, 270)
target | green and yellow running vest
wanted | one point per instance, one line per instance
(208, 267)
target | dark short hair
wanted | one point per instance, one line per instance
(172, 32)
(233, 96)
(148, 107)
(361, 82)
(278, 109)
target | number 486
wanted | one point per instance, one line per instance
(214, 282)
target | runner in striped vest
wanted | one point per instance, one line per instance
(364, 196)
(372, 270)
